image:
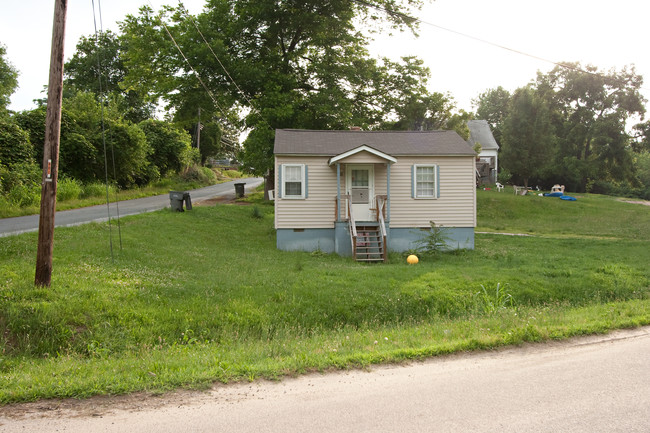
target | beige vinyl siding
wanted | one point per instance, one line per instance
(318, 209)
(454, 208)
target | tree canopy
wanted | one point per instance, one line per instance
(589, 111)
(286, 64)
(8, 80)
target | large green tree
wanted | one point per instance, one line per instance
(276, 64)
(492, 106)
(97, 66)
(590, 110)
(8, 80)
(527, 141)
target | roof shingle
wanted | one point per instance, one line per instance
(332, 143)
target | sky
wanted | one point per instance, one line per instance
(602, 33)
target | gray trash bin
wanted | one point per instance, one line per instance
(176, 199)
(239, 189)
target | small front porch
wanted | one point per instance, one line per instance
(362, 203)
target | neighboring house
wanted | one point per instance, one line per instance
(362, 193)
(488, 164)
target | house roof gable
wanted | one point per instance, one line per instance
(361, 149)
(389, 143)
(479, 131)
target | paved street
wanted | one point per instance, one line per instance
(586, 385)
(11, 226)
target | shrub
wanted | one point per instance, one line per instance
(68, 189)
(194, 173)
(96, 189)
(25, 195)
(434, 241)
(504, 176)
(232, 174)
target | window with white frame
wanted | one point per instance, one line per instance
(424, 181)
(293, 180)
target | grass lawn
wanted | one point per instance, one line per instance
(204, 296)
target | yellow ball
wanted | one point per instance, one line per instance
(412, 259)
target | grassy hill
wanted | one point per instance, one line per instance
(204, 296)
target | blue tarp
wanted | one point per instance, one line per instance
(568, 198)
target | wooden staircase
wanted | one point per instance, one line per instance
(369, 239)
(369, 244)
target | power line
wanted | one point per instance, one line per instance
(411, 19)
(250, 103)
(198, 77)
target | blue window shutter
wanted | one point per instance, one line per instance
(413, 181)
(306, 182)
(437, 181)
(280, 187)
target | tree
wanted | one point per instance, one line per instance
(641, 137)
(295, 65)
(527, 135)
(17, 166)
(590, 109)
(171, 151)
(103, 57)
(492, 106)
(407, 99)
(8, 80)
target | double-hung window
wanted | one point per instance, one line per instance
(425, 181)
(293, 180)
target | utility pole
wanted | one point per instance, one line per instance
(51, 149)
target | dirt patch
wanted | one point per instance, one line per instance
(222, 199)
(643, 202)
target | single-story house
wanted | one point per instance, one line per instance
(488, 164)
(363, 193)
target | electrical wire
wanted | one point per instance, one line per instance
(198, 77)
(411, 19)
(101, 97)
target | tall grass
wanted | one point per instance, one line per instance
(204, 295)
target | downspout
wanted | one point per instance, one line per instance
(338, 192)
(388, 193)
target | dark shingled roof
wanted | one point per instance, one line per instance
(479, 131)
(332, 143)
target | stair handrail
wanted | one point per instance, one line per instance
(380, 214)
(353, 225)
(381, 203)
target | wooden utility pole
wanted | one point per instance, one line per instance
(51, 149)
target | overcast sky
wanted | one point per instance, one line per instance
(606, 34)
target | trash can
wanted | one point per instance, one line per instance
(239, 189)
(176, 199)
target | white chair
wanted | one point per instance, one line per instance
(499, 187)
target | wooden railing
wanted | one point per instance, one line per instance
(353, 225)
(381, 208)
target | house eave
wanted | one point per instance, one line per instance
(364, 148)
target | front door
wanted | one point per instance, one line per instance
(360, 185)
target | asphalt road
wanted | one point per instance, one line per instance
(593, 384)
(12, 226)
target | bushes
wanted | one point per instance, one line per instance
(96, 189)
(68, 189)
(195, 173)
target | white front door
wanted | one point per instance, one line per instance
(360, 186)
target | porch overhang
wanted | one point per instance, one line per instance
(383, 157)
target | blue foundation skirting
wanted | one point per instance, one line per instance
(337, 240)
